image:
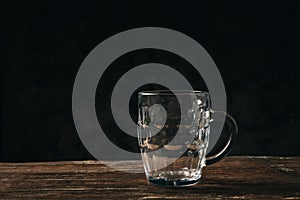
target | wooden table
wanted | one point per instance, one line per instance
(233, 178)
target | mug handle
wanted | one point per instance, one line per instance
(233, 130)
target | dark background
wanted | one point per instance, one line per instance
(255, 45)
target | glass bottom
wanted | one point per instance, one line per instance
(173, 182)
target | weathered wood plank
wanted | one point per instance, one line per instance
(233, 178)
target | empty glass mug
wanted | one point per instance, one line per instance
(173, 135)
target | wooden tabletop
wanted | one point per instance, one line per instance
(233, 178)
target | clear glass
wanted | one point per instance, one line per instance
(173, 133)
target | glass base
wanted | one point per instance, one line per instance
(173, 182)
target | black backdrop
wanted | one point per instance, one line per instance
(255, 45)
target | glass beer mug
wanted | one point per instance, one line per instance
(173, 135)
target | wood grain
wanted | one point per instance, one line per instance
(232, 178)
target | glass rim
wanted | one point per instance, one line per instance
(172, 92)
